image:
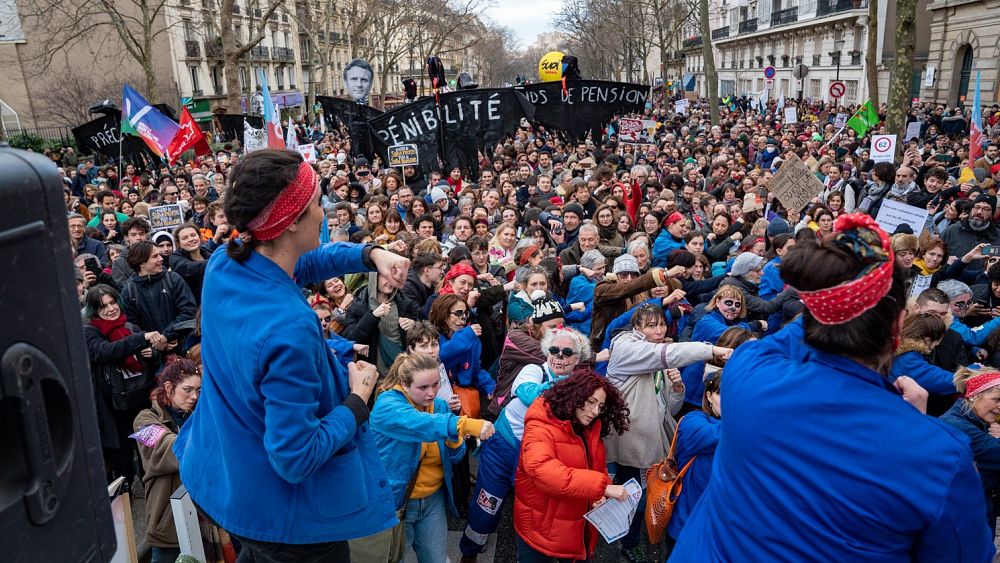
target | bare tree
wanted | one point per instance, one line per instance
(59, 25)
(711, 76)
(497, 55)
(233, 49)
(900, 82)
(871, 52)
(65, 99)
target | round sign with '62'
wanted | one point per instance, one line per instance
(883, 144)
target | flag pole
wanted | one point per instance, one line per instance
(837, 134)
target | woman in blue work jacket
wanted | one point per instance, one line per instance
(281, 455)
(821, 458)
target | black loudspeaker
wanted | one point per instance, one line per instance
(53, 497)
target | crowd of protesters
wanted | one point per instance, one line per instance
(561, 315)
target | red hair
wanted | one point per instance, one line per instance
(572, 393)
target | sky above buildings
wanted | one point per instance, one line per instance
(527, 18)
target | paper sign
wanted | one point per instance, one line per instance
(912, 130)
(165, 216)
(403, 155)
(308, 152)
(613, 517)
(149, 435)
(794, 184)
(840, 121)
(883, 148)
(629, 130)
(681, 106)
(893, 214)
(791, 115)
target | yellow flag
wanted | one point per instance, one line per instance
(966, 175)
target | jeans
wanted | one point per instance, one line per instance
(427, 527)
(165, 554)
(267, 552)
(528, 554)
(623, 474)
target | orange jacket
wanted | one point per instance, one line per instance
(558, 480)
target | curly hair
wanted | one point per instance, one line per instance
(572, 393)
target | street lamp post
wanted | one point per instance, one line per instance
(838, 47)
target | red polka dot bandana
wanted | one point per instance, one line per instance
(849, 300)
(287, 207)
(979, 383)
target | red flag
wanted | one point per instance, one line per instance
(188, 136)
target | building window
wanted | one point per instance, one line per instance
(815, 89)
(238, 34)
(728, 88)
(288, 40)
(279, 77)
(851, 95)
(217, 80)
(244, 78)
(195, 84)
(188, 30)
(291, 76)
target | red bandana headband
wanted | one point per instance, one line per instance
(455, 271)
(287, 207)
(979, 383)
(849, 300)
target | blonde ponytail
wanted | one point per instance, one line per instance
(406, 364)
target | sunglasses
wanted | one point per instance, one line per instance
(562, 352)
(628, 274)
(464, 313)
(732, 304)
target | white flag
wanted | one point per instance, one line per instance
(781, 102)
(291, 139)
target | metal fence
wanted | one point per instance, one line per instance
(54, 133)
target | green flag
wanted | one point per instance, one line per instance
(864, 119)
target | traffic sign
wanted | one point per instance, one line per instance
(769, 83)
(769, 72)
(837, 89)
(800, 71)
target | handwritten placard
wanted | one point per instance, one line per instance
(403, 155)
(629, 130)
(794, 184)
(308, 152)
(791, 115)
(893, 214)
(165, 216)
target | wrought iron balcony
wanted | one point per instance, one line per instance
(259, 53)
(782, 17)
(284, 54)
(691, 42)
(827, 7)
(748, 26)
(720, 33)
(192, 50)
(213, 49)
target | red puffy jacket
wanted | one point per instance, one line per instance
(559, 478)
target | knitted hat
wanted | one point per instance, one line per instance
(162, 235)
(625, 263)
(745, 263)
(574, 208)
(778, 226)
(987, 198)
(437, 194)
(545, 308)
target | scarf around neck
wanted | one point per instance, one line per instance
(114, 331)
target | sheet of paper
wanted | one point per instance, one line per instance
(613, 518)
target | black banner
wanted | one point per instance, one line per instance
(353, 116)
(588, 105)
(231, 125)
(102, 136)
(467, 121)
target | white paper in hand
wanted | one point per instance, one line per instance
(613, 518)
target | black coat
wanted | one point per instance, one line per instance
(193, 272)
(361, 326)
(417, 292)
(162, 302)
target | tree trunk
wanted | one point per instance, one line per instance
(711, 77)
(900, 83)
(230, 60)
(871, 52)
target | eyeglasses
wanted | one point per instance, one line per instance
(962, 304)
(461, 314)
(628, 274)
(170, 193)
(732, 304)
(562, 352)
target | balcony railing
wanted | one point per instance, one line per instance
(192, 50)
(691, 42)
(720, 33)
(259, 53)
(827, 7)
(284, 54)
(782, 17)
(213, 49)
(748, 26)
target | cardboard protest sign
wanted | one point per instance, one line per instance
(791, 115)
(586, 106)
(308, 152)
(629, 130)
(840, 121)
(912, 130)
(165, 216)
(403, 155)
(794, 184)
(681, 106)
(893, 214)
(467, 122)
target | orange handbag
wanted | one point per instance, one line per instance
(663, 487)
